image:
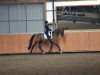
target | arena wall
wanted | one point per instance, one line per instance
(78, 41)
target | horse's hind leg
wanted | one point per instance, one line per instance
(32, 48)
(40, 44)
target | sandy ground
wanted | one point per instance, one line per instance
(51, 64)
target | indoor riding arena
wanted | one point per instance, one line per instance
(75, 50)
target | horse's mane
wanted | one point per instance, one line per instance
(56, 32)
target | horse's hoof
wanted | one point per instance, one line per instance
(30, 53)
(60, 52)
(49, 51)
(43, 52)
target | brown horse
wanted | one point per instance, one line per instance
(39, 38)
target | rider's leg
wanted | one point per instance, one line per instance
(47, 35)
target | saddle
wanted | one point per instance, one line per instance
(49, 33)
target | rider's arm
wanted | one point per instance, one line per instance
(50, 29)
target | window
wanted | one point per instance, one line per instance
(49, 12)
(21, 18)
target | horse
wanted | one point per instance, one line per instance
(39, 38)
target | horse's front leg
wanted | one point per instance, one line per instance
(58, 47)
(51, 46)
(40, 46)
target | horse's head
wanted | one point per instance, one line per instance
(61, 31)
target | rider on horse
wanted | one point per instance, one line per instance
(47, 30)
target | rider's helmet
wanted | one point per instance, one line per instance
(46, 22)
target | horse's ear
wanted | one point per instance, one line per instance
(61, 28)
(66, 28)
(58, 28)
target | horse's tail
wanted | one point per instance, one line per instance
(30, 43)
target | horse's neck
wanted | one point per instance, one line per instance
(55, 34)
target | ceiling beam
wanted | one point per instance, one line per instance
(32, 1)
(21, 1)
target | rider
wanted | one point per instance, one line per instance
(47, 29)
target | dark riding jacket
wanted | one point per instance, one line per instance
(47, 28)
